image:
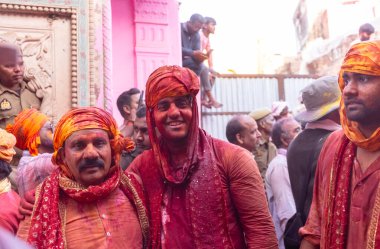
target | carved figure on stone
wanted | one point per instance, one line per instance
(37, 68)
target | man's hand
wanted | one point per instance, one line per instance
(26, 204)
(199, 56)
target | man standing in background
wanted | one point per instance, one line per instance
(321, 99)
(266, 150)
(15, 95)
(242, 130)
(279, 192)
(127, 103)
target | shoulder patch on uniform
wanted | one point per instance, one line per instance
(5, 105)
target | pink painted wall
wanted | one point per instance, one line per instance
(145, 35)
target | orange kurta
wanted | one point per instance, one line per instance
(362, 194)
(109, 223)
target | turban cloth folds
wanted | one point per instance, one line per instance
(362, 58)
(26, 128)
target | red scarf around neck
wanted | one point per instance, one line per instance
(46, 224)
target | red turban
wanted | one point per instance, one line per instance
(363, 58)
(88, 118)
(172, 81)
(26, 128)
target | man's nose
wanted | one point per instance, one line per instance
(90, 152)
(139, 136)
(350, 87)
(173, 109)
(17, 68)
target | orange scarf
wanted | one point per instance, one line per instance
(363, 58)
(26, 128)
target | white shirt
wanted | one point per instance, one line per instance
(279, 193)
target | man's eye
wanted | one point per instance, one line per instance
(78, 145)
(363, 78)
(99, 143)
(183, 102)
(163, 106)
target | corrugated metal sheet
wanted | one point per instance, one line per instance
(293, 87)
(245, 94)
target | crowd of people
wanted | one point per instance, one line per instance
(283, 180)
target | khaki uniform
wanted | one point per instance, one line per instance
(12, 103)
(264, 153)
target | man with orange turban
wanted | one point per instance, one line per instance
(9, 200)
(88, 202)
(202, 192)
(34, 134)
(345, 212)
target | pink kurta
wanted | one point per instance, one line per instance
(362, 193)
(9, 203)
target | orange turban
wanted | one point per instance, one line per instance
(88, 118)
(26, 128)
(7, 142)
(363, 58)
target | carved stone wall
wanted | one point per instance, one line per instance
(63, 50)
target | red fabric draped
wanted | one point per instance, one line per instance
(46, 228)
(46, 225)
(199, 173)
(170, 81)
(338, 205)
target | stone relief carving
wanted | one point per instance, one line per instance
(47, 37)
(36, 51)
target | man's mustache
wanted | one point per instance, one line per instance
(90, 163)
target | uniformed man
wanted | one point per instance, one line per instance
(266, 150)
(15, 95)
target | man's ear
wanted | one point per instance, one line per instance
(284, 140)
(127, 109)
(261, 123)
(61, 155)
(239, 138)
